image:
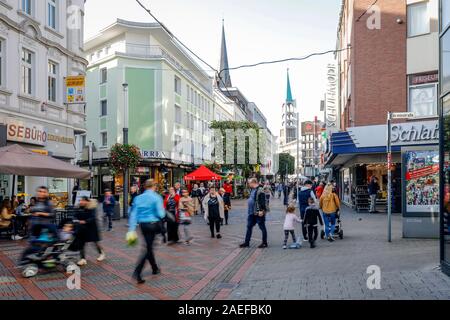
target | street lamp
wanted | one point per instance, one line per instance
(125, 141)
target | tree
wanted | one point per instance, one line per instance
(286, 165)
(124, 156)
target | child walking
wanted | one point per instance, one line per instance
(289, 225)
(311, 221)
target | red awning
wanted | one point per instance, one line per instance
(202, 174)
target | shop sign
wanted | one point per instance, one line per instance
(332, 113)
(418, 79)
(415, 133)
(153, 154)
(75, 89)
(24, 132)
(142, 170)
(60, 139)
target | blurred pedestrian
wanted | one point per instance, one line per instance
(109, 203)
(147, 211)
(87, 230)
(305, 193)
(227, 204)
(196, 195)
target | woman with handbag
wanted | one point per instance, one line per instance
(186, 211)
(196, 196)
(330, 205)
(171, 205)
(214, 211)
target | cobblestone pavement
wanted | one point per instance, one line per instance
(218, 269)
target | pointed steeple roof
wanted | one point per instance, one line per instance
(225, 75)
(289, 90)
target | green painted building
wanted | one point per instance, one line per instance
(170, 102)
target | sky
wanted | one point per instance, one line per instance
(256, 30)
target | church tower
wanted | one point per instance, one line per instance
(289, 128)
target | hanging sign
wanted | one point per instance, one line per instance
(75, 89)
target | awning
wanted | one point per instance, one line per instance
(202, 174)
(16, 160)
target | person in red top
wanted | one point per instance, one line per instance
(171, 203)
(228, 187)
(319, 190)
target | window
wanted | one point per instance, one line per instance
(178, 85)
(418, 19)
(52, 78)
(445, 13)
(103, 108)
(445, 58)
(423, 100)
(27, 6)
(27, 72)
(178, 117)
(51, 13)
(188, 93)
(104, 139)
(103, 75)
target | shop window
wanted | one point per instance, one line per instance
(445, 14)
(446, 177)
(177, 84)
(423, 100)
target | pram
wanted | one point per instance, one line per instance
(47, 253)
(338, 231)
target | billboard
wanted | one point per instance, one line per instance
(75, 89)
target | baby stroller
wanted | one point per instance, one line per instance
(338, 231)
(48, 253)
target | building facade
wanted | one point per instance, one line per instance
(444, 54)
(170, 103)
(41, 43)
(311, 140)
(369, 88)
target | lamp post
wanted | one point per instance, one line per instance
(298, 153)
(125, 142)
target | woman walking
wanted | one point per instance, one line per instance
(186, 211)
(330, 205)
(87, 230)
(171, 205)
(214, 211)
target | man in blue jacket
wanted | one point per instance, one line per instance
(147, 211)
(109, 203)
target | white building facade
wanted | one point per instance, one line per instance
(41, 43)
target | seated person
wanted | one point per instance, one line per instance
(6, 217)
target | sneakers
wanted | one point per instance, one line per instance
(16, 238)
(312, 245)
(284, 247)
(101, 257)
(244, 245)
(82, 262)
(263, 246)
(219, 236)
(156, 271)
(138, 279)
(330, 239)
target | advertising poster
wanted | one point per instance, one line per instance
(75, 86)
(422, 181)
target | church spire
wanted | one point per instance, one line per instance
(289, 98)
(225, 75)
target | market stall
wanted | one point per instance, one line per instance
(202, 174)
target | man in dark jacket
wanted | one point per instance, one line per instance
(256, 213)
(109, 204)
(43, 214)
(373, 193)
(305, 193)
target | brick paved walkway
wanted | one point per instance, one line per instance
(218, 269)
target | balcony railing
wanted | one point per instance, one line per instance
(157, 52)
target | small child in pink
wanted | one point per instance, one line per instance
(289, 225)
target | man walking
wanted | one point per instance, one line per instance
(256, 213)
(373, 193)
(109, 204)
(147, 211)
(303, 202)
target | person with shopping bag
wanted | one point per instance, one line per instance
(147, 211)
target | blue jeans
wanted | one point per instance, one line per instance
(330, 223)
(252, 221)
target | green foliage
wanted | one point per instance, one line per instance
(286, 165)
(124, 156)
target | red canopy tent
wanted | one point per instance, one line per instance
(202, 174)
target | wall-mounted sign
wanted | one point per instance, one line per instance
(332, 116)
(60, 139)
(417, 79)
(308, 128)
(415, 133)
(153, 154)
(25, 132)
(75, 89)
